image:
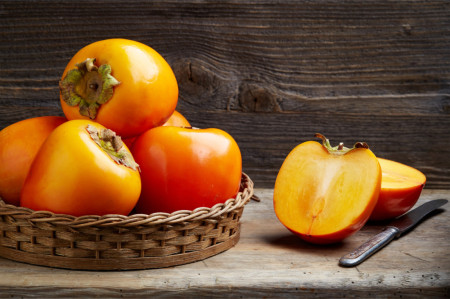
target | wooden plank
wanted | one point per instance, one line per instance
(273, 73)
(268, 261)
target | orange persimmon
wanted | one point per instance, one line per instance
(324, 194)
(82, 168)
(401, 186)
(177, 120)
(19, 144)
(186, 168)
(122, 84)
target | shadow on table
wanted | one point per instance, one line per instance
(291, 241)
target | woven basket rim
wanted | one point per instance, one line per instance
(243, 197)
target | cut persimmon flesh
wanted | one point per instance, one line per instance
(401, 186)
(325, 194)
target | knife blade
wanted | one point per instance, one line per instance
(395, 229)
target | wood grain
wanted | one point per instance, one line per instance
(268, 261)
(272, 73)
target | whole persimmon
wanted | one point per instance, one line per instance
(186, 168)
(82, 168)
(324, 194)
(19, 144)
(122, 84)
(401, 186)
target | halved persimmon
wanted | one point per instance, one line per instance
(401, 186)
(324, 194)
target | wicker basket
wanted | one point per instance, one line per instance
(116, 242)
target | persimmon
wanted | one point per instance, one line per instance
(401, 186)
(19, 144)
(82, 168)
(324, 194)
(186, 168)
(176, 120)
(122, 84)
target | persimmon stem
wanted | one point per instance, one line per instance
(90, 66)
(361, 145)
(339, 149)
(88, 87)
(112, 144)
(325, 141)
(93, 86)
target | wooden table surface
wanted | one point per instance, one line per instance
(268, 261)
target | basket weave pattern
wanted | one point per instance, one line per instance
(112, 242)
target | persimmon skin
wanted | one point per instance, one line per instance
(177, 120)
(324, 198)
(148, 91)
(72, 175)
(19, 144)
(185, 168)
(401, 186)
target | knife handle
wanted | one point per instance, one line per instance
(368, 248)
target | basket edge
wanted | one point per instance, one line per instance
(242, 198)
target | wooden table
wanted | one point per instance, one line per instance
(268, 261)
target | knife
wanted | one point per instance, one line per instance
(395, 229)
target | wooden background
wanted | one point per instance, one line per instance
(271, 73)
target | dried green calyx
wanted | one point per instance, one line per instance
(88, 87)
(112, 144)
(339, 149)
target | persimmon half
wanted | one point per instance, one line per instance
(324, 194)
(401, 186)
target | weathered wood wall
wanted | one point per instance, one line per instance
(271, 73)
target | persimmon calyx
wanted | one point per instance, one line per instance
(339, 149)
(112, 144)
(88, 87)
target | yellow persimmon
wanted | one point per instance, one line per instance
(82, 168)
(324, 194)
(401, 186)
